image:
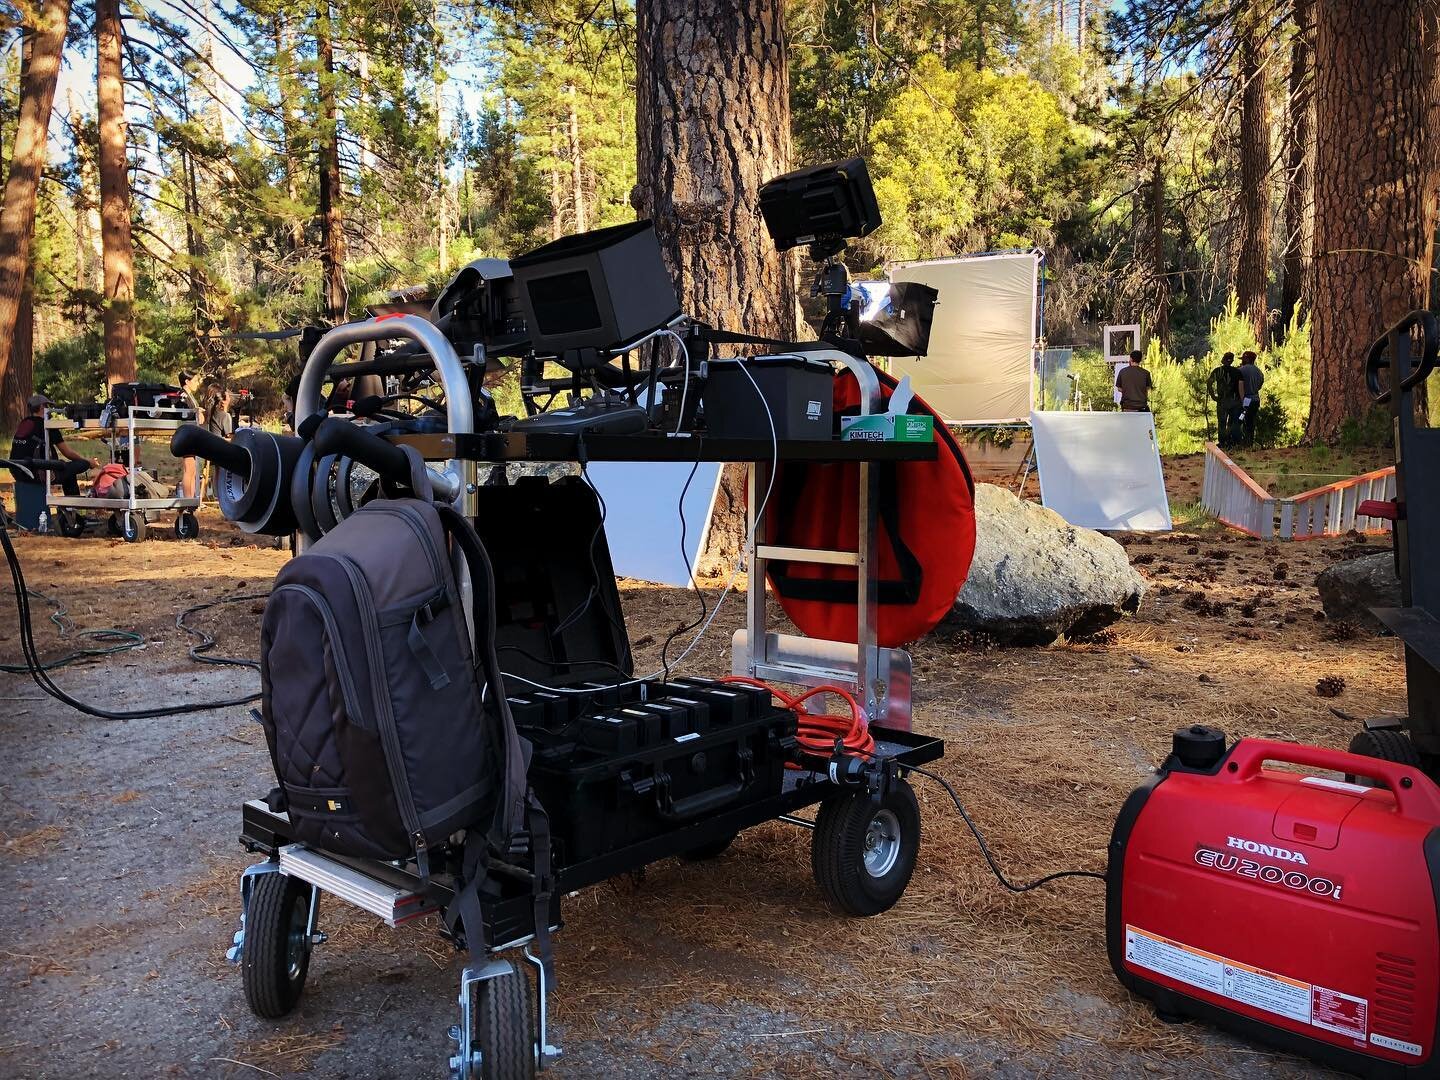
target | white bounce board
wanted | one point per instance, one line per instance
(642, 517)
(1101, 470)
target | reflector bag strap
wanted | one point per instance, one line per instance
(904, 589)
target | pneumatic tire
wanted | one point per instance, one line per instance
(863, 852)
(276, 954)
(1386, 744)
(505, 1028)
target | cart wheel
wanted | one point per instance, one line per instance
(71, 524)
(113, 525)
(863, 852)
(133, 526)
(713, 849)
(505, 1027)
(1387, 744)
(186, 527)
(276, 957)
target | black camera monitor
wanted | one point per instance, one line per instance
(599, 289)
(820, 205)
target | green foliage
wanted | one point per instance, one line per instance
(1096, 379)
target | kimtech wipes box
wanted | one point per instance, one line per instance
(894, 425)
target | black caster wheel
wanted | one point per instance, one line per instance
(505, 1028)
(70, 523)
(276, 956)
(113, 525)
(1387, 744)
(186, 526)
(714, 849)
(133, 526)
(863, 852)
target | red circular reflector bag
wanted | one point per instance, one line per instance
(924, 537)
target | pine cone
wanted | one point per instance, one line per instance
(1330, 686)
(1103, 638)
(1340, 630)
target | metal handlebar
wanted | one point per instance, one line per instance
(1392, 352)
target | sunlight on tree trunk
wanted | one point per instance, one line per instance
(1252, 272)
(27, 160)
(713, 121)
(1377, 189)
(116, 245)
(1300, 151)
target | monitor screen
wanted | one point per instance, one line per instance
(564, 303)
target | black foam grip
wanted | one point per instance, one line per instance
(336, 436)
(368, 406)
(191, 440)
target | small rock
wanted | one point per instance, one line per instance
(1205, 678)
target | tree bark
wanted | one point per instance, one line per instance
(27, 161)
(1252, 273)
(1300, 149)
(442, 210)
(332, 215)
(1377, 188)
(117, 249)
(285, 90)
(557, 226)
(577, 163)
(713, 123)
(19, 382)
(1158, 269)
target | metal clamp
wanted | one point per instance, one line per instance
(544, 1051)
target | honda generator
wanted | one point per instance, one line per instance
(1295, 909)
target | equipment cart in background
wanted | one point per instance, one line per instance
(720, 756)
(130, 515)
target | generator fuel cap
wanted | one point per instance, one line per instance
(1198, 746)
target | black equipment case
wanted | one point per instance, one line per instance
(613, 765)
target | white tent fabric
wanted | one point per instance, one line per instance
(982, 342)
(1101, 470)
(642, 518)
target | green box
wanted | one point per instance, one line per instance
(888, 427)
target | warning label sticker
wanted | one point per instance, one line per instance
(1295, 1000)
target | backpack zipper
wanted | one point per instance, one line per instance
(384, 712)
(332, 630)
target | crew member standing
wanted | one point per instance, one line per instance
(1251, 380)
(1224, 390)
(1134, 383)
(34, 440)
(190, 382)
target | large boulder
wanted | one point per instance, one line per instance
(1348, 590)
(1036, 577)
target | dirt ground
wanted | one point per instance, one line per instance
(119, 864)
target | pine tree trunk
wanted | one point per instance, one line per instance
(285, 84)
(713, 123)
(332, 216)
(1252, 273)
(577, 164)
(19, 382)
(1300, 150)
(442, 210)
(1158, 269)
(1377, 188)
(117, 249)
(195, 249)
(27, 160)
(557, 227)
(1080, 18)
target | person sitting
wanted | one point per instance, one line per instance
(1134, 383)
(34, 441)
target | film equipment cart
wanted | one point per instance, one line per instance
(130, 515)
(864, 839)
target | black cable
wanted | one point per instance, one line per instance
(563, 663)
(42, 679)
(985, 848)
(690, 576)
(199, 653)
(124, 639)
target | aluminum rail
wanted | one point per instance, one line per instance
(457, 480)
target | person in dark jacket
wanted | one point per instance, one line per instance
(190, 383)
(1134, 383)
(1251, 380)
(1224, 390)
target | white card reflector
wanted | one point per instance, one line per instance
(642, 518)
(1101, 470)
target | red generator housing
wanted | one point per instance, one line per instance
(1293, 909)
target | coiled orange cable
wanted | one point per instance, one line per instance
(816, 732)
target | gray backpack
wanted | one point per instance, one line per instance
(372, 697)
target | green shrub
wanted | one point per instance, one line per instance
(1096, 379)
